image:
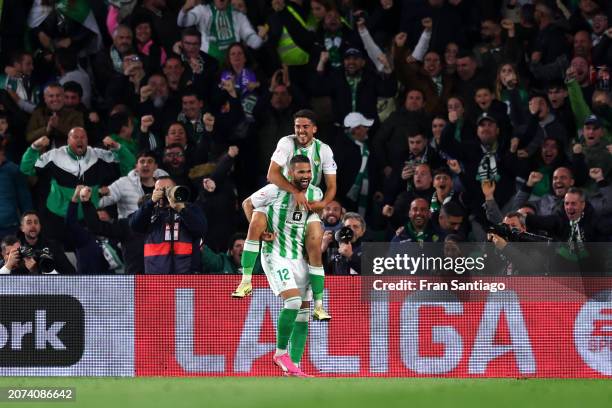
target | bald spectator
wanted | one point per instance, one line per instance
(66, 167)
(419, 227)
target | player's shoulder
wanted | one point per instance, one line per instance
(325, 149)
(286, 141)
(269, 190)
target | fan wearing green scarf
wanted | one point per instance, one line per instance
(220, 26)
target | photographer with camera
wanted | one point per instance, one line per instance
(35, 243)
(517, 259)
(174, 230)
(346, 258)
(20, 260)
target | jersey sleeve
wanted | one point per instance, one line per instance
(264, 196)
(284, 150)
(327, 160)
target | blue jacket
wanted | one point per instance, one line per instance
(170, 247)
(14, 194)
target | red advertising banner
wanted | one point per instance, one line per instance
(190, 326)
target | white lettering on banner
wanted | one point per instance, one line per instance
(42, 335)
(593, 332)
(379, 332)
(319, 354)
(446, 335)
(485, 351)
(184, 334)
(249, 348)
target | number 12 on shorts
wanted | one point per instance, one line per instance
(283, 274)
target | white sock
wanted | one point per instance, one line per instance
(318, 303)
(246, 278)
(280, 352)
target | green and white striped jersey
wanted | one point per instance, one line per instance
(286, 221)
(320, 155)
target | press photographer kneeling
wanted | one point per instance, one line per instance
(174, 230)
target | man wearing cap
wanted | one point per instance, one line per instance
(354, 163)
(353, 89)
(486, 159)
(593, 147)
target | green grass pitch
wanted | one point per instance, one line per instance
(321, 393)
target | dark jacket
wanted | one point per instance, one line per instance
(334, 84)
(62, 264)
(558, 226)
(90, 258)
(132, 243)
(172, 242)
(390, 141)
(341, 265)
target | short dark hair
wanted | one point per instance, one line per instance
(29, 212)
(73, 86)
(173, 145)
(465, 53)
(442, 170)
(300, 158)
(307, 114)
(237, 236)
(148, 153)
(191, 91)
(17, 57)
(8, 241)
(579, 191)
(555, 84)
(191, 32)
(519, 216)
(452, 209)
(175, 123)
(419, 90)
(118, 120)
(414, 131)
(483, 86)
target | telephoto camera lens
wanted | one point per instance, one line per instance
(178, 194)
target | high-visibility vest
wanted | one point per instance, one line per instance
(288, 50)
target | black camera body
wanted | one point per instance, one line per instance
(43, 257)
(344, 235)
(514, 235)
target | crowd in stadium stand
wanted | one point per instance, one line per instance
(444, 117)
